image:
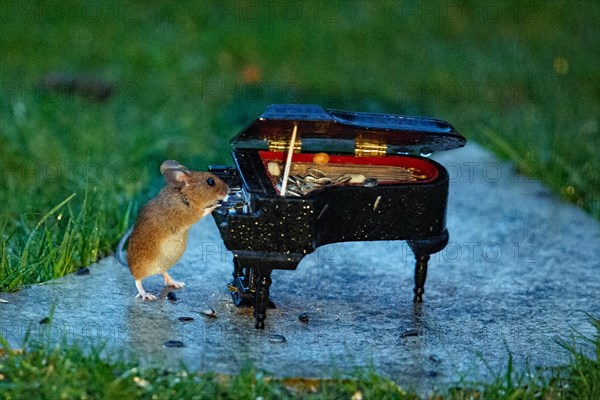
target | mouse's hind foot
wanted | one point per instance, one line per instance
(142, 293)
(145, 296)
(170, 282)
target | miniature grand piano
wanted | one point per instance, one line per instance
(353, 176)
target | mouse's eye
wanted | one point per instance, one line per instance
(210, 182)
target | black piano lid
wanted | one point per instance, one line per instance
(336, 131)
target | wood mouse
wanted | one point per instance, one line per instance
(159, 235)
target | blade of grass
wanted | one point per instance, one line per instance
(50, 213)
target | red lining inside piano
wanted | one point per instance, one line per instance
(420, 164)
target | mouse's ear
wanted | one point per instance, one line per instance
(171, 164)
(175, 174)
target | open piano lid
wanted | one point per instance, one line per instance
(333, 131)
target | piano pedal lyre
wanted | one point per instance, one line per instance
(243, 287)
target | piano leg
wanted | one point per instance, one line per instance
(423, 248)
(420, 277)
(262, 297)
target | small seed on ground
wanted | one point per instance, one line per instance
(303, 317)
(276, 338)
(409, 333)
(209, 312)
(173, 343)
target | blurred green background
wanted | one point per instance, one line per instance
(519, 77)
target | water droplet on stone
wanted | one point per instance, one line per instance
(173, 343)
(276, 338)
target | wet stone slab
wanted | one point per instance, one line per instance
(522, 269)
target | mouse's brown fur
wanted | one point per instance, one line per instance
(160, 233)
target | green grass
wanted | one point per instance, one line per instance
(522, 78)
(38, 370)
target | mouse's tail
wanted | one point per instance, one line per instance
(119, 255)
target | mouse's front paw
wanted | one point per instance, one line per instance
(146, 296)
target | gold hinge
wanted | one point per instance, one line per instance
(369, 147)
(283, 144)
